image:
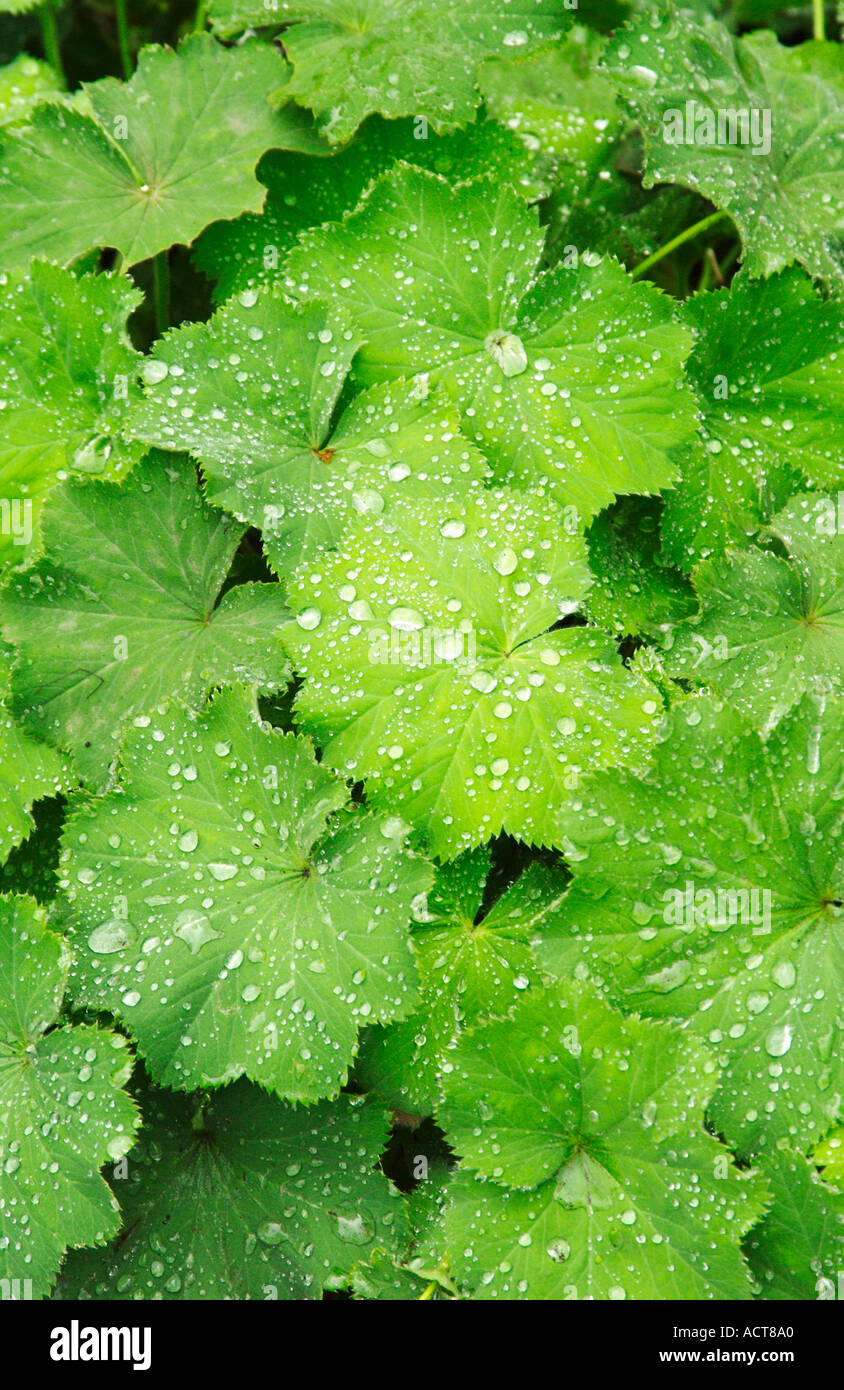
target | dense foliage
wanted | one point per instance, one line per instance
(422, 660)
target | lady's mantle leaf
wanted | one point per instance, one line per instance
(771, 628)
(572, 378)
(399, 57)
(223, 911)
(711, 890)
(303, 192)
(470, 966)
(613, 1189)
(23, 84)
(797, 1250)
(778, 170)
(68, 379)
(125, 611)
(436, 668)
(145, 163)
(28, 770)
(62, 1112)
(253, 395)
(767, 367)
(236, 1195)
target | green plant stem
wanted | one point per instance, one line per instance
(199, 17)
(702, 226)
(161, 291)
(818, 26)
(50, 39)
(123, 38)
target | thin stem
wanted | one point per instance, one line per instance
(695, 230)
(199, 17)
(161, 291)
(818, 25)
(50, 39)
(123, 38)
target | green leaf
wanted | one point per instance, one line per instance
(68, 372)
(829, 1155)
(28, 770)
(779, 169)
(236, 1195)
(635, 591)
(224, 911)
(263, 379)
(62, 1110)
(126, 610)
(435, 667)
(771, 627)
(594, 1177)
(303, 192)
(767, 371)
(572, 379)
(797, 1250)
(398, 57)
(23, 84)
(471, 965)
(146, 163)
(560, 105)
(711, 890)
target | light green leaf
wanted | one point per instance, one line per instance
(572, 379)
(829, 1155)
(23, 84)
(435, 667)
(777, 167)
(797, 1250)
(771, 628)
(595, 1177)
(236, 1195)
(711, 890)
(62, 1110)
(28, 770)
(147, 162)
(303, 192)
(398, 57)
(222, 910)
(560, 105)
(263, 379)
(471, 965)
(767, 370)
(68, 378)
(126, 610)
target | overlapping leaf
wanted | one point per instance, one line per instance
(771, 626)
(775, 163)
(471, 965)
(398, 57)
(254, 396)
(128, 608)
(23, 84)
(302, 191)
(146, 163)
(234, 909)
(236, 1195)
(68, 379)
(711, 890)
(595, 1178)
(572, 379)
(62, 1110)
(796, 1250)
(28, 770)
(768, 374)
(436, 667)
